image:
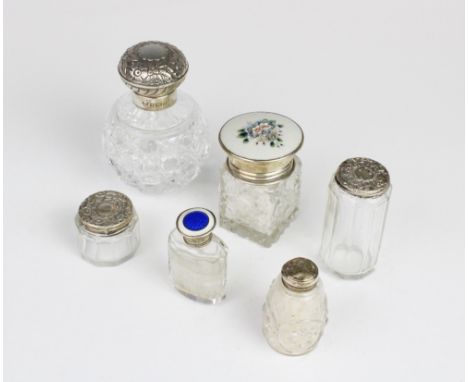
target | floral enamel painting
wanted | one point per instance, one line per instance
(264, 131)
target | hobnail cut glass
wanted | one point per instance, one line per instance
(293, 322)
(259, 212)
(353, 231)
(156, 151)
(198, 272)
(105, 250)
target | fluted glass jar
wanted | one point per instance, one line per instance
(155, 136)
(260, 181)
(295, 311)
(197, 257)
(358, 199)
(108, 229)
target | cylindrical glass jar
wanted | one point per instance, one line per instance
(108, 229)
(156, 137)
(197, 257)
(260, 181)
(358, 199)
(295, 311)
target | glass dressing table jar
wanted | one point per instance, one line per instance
(108, 228)
(155, 136)
(358, 198)
(260, 181)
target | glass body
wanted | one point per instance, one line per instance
(259, 212)
(293, 322)
(353, 231)
(156, 150)
(109, 250)
(198, 272)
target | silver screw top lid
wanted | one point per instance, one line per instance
(153, 68)
(106, 213)
(299, 274)
(363, 177)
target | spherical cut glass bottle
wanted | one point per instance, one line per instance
(156, 136)
(108, 228)
(260, 182)
(359, 194)
(295, 311)
(197, 257)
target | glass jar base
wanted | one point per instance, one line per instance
(108, 263)
(352, 276)
(153, 187)
(208, 301)
(298, 354)
(255, 236)
(349, 262)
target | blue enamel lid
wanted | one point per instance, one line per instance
(196, 222)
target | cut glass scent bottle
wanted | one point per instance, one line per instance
(197, 257)
(108, 229)
(358, 199)
(260, 181)
(155, 136)
(295, 311)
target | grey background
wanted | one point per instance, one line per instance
(382, 79)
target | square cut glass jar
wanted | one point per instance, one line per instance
(198, 272)
(259, 212)
(353, 231)
(108, 250)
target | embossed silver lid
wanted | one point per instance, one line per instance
(106, 213)
(299, 274)
(153, 70)
(363, 177)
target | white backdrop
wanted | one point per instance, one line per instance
(382, 79)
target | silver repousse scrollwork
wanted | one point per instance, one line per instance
(106, 212)
(363, 177)
(153, 68)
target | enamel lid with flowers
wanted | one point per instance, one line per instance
(261, 136)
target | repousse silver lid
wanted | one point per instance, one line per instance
(153, 70)
(106, 213)
(363, 177)
(299, 274)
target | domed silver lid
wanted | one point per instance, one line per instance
(153, 70)
(106, 213)
(363, 177)
(299, 274)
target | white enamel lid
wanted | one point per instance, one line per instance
(261, 136)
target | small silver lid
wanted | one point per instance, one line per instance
(196, 226)
(363, 177)
(299, 274)
(106, 213)
(153, 70)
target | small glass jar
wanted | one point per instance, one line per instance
(156, 136)
(260, 181)
(295, 311)
(358, 199)
(108, 229)
(197, 257)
